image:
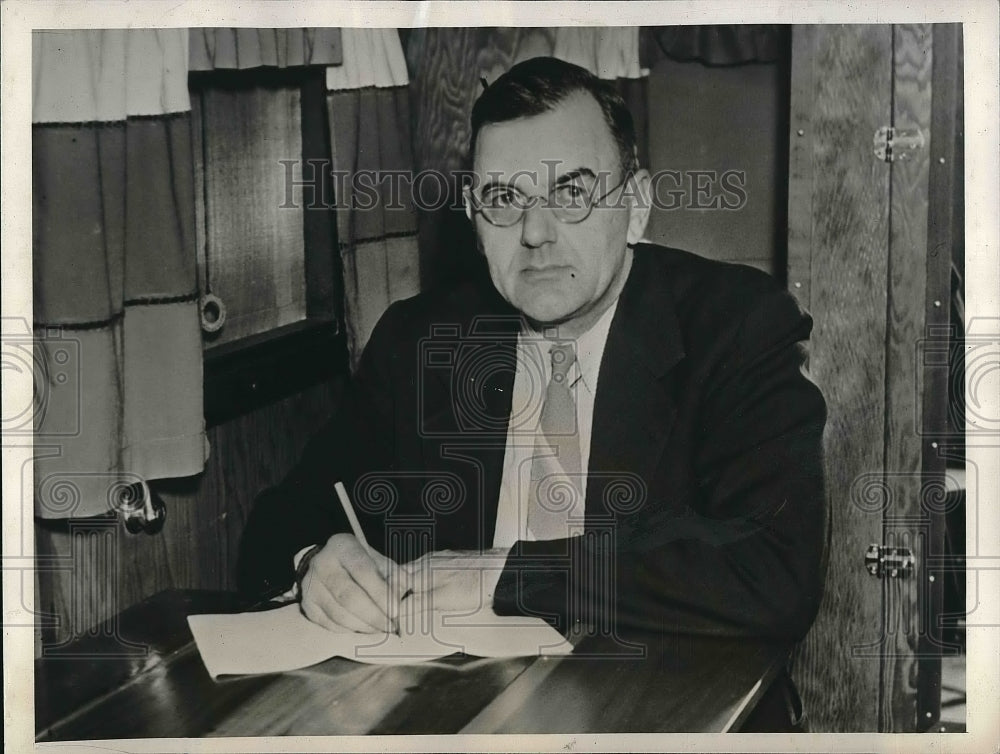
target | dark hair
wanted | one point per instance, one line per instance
(536, 86)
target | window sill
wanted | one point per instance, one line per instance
(252, 372)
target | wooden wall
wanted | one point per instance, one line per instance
(91, 569)
(838, 240)
(859, 261)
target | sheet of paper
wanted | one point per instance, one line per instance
(282, 639)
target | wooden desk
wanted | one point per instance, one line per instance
(146, 679)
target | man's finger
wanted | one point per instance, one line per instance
(355, 599)
(400, 581)
(320, 603)
(393, 575)
(319, 607)
(312, 610)
(359, 589)
(337, 614)
(382, 591)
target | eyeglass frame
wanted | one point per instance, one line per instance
(477, 204)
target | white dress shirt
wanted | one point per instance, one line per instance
(534, 369)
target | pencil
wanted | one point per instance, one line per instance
(352, 519)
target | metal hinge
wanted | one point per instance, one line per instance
(894, 562)
(893, 143)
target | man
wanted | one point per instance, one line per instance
(609, 434)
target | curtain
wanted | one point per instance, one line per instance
(118, 376)
(213, 49)
(734, 44)
(369, 115)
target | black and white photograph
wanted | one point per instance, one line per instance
(500, 376)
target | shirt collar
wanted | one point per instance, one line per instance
(589, 347)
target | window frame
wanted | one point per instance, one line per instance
(243, 375)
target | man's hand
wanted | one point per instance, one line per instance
(455, 580)
(349, 588)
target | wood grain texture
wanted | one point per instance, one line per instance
(103, 569)
(944, 222)
(800, 166)
(904, 519)
(444, 87)
(355, 699)
(151, 632)
(851, 95)
(652, 694)
(682, 683)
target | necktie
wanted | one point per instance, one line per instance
(555, 469)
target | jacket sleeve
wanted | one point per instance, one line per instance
(748, 556)
(303, 509)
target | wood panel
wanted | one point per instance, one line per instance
(851, 96)
(445, 84)
(945, 202)
(905, 523)
(800, 165)
(448, 66)
(105, 569)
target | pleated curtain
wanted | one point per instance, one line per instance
(118, 372)
(369, 115)
(226, 48)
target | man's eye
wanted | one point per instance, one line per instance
(570, 194)
(500, 199)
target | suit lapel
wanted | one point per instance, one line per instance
(469, 425)
(497, 390)
(634, 410)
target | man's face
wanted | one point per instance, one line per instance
(554, 272)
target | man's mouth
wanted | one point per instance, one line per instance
(551, 270)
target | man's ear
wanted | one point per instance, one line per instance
(468, 205)
(637, 192)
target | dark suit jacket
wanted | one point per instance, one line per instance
(705, 507)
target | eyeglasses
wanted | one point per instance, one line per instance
(571, 203)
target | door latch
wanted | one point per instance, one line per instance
(893, 144)
(891, 562)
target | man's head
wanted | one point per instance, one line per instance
(538, 85)
(550, 133)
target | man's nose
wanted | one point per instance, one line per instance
(537, 226)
